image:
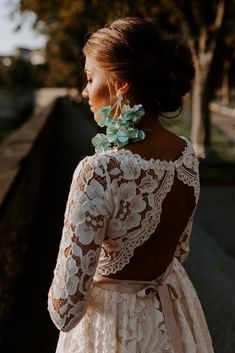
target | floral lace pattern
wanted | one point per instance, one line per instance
(122, 323)
(83, 234)
(140, 186)
(114, 205)
(123, 335)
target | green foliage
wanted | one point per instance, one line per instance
(39, 75)
(21, 74)
(66, 23)
(219, 166)
(3, 75)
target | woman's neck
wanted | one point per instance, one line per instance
(149, 123)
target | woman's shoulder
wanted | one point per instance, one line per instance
(98, 165)
(115, 159)
(160, 145)
(183, 149)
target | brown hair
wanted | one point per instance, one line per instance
(158, 67)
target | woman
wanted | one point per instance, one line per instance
(119, 285)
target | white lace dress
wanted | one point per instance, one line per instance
(114, 206)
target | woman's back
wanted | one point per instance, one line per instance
(152, 258)
(152, 201)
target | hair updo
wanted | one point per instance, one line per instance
(158, 67)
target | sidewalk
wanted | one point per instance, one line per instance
(211, 262)
(224, 118)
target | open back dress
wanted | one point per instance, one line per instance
(115, 207)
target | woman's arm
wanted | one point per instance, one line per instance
(85, 223)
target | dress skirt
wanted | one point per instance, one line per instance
(135, 320)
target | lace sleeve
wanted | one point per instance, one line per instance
(85, 223)
(182, 249)
(188, 173)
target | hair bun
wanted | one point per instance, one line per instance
(158, 67)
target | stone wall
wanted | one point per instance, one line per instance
(22, 157)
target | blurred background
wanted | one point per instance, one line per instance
(46, 129)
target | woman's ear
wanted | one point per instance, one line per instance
(122, 88)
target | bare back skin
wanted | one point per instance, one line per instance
(153, 257)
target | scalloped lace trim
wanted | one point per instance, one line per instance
(118, 249)
(147, 227)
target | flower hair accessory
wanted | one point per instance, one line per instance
(120, 130)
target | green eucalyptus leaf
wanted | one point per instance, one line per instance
(141, 135)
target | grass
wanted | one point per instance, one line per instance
(219, 164)
(222, 148)
(179, 126)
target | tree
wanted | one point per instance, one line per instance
(204, 23)
(66, 25)
(20, 73)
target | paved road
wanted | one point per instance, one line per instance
(224, 118)
(210, 265)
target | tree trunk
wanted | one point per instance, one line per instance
(205, 53)
(225, 84)
(197, 128)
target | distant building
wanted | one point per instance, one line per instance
(6, 60)
(35, 56)
(38, 56)
(22, 53)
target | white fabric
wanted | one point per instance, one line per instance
(114, 206)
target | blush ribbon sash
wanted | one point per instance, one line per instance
(146, 289)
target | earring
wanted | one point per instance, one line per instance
(120, 129)
(118, 105)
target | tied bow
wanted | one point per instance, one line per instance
(166, 295)
(152, 290)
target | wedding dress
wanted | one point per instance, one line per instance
(114, 207)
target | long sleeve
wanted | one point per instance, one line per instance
(182, 249)
(188, 173)
(85, 223)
